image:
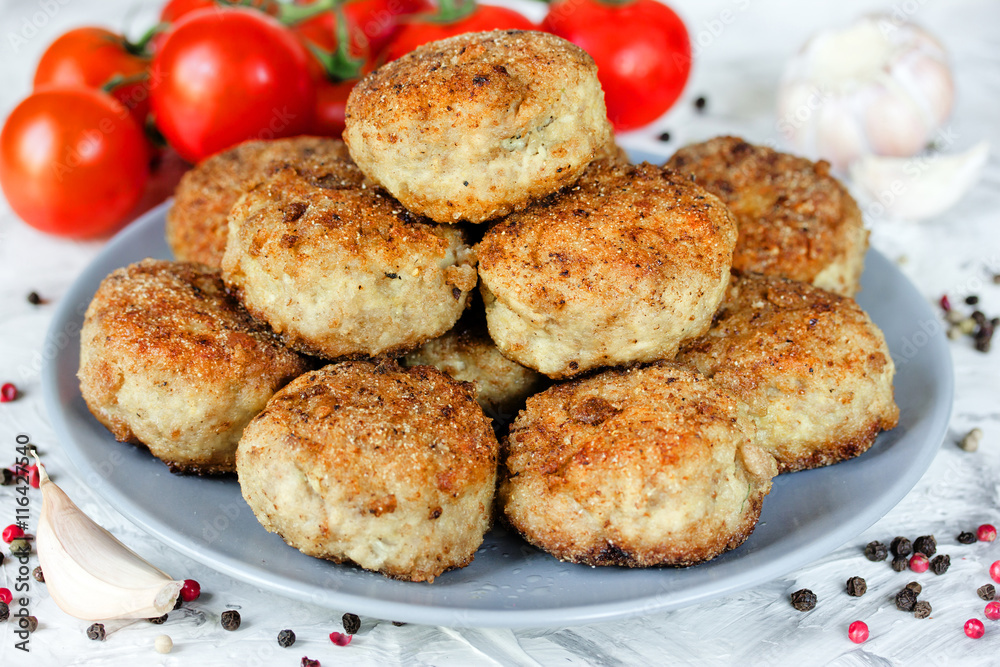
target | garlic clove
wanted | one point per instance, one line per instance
(919, 187)
(88, 572)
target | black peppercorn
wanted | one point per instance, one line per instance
(804, 599)
(231, 620)
(159, 620)
(34, 299)
(4, 612)
(972, 299)
(38, 575)
(922, 609)
(925, 544)
(398, 624)
(2, 558)
(664, 137)
(32, 623)
(901, 547)
(987, 592)
(966, 537)
(8, 478)
(286, 638)
(306, 662)
(940, 564)
(352, 623)
(180, 601)
(876, 551)
(905, 599)
(915, 587)
(899, 563)
(856, 587)
(700, 103)
(96, 632)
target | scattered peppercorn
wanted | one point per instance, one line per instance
(858, 632)
(995, 570)
(159, 620)
(919, 562)
(30, 622)
(905, 599)
(945, 303)
(231, 620)
(915, 587)
(925, 544)
(996, 278)
(398, 624)
(38, 575)
(986, 533)
(286, 638)
(306, 662)
(96, 632)
(804, 599)
(856, 587)
(974, 628)
(940, 564)
(8, 477)
(12, 532)
(901, 546)
(972, 299)
(180, 601)
(2, 558)
(965, 537)
(5, 595)
(20, 547)
(352, 623)
(191, 590)
(163, 644)
(700, 103)
(664, 137)
(8, 392)
(340, 639)
(970, 441)
(900, 563)
(876, 551)
(987, 592)
(921, 609)
(992, 610)
(34, 299)
(4, 612)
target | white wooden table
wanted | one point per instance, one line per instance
(743, 45)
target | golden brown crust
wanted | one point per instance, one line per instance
(158, 335)
(795, 220)
(340, 269)
(639, 467)
(475, 126)
(368, 462)
(197, 222)
(811, 364)
(618, 268)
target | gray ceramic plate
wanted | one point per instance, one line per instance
(511, 584)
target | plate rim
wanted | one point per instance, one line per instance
(70, 307)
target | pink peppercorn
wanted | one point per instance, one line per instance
(986, 533)
(945, 303)
(858, 632)
(919, 562)
(11, 533)
(993, 610)
(5, 595)
(190, 590)
(340, 639)
(974, 628)
(995, 571)
(8, 392)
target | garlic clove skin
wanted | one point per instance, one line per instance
(88, 572)
(880, 86)
(918, 188)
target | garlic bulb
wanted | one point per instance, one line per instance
(881, 86)
(917, 188)
(88, 572)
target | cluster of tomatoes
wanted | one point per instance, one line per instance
(75, 155)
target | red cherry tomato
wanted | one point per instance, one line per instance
(91, 57)
(331, 101)
(175, 9)
(373, 23)
(227, 75)
(641, 48)
(73, 161)
(422, 28)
